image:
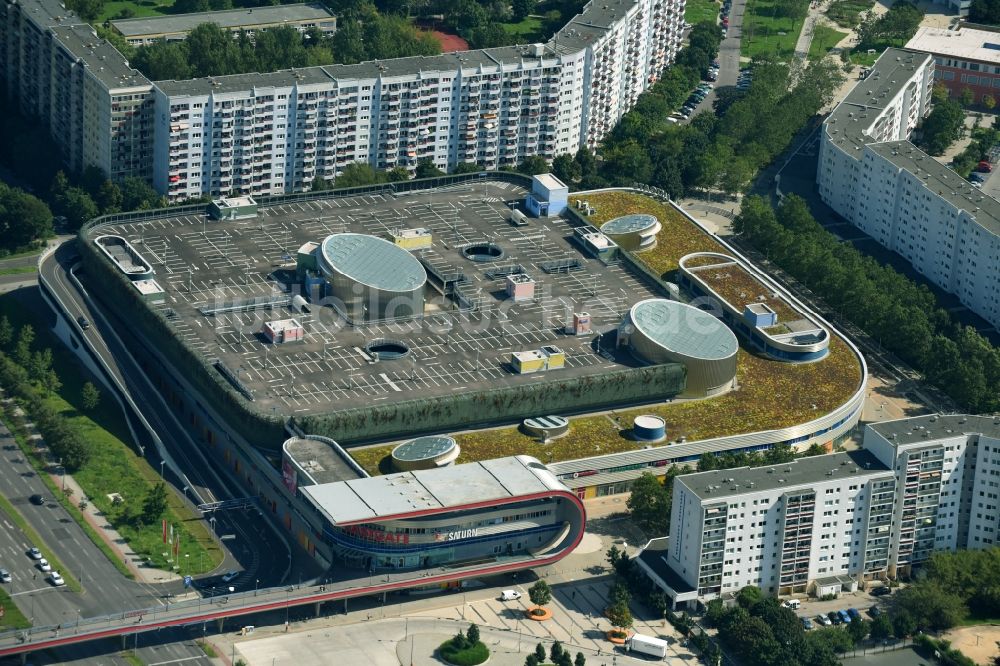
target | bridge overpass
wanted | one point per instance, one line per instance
(195, 611)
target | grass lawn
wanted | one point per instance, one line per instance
(12, 618)
(524, 30)
(138, 8)
(469, 656)
(19, 270)
(847, 13)
(765, 33)
(770, 393)
(863, 58)
(696, 11)
(824, 39)
(114, 467)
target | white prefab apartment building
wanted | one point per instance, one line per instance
(272, 133)
(780, 528)
(871, 175)
(828, 523)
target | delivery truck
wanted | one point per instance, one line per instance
(654, 647)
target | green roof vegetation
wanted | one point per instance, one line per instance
(769, 396)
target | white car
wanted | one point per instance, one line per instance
(4, 576)
(34, 553)
(43, 565)
(56, 579)
(510, 595)
(229, 575)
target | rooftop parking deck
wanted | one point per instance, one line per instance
(770, 394)
(244, 270)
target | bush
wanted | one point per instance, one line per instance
(466, 655)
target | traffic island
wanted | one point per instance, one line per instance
(539, 614)
(618, 637)
(464, 653)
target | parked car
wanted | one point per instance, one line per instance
(510, 595)
(881, 591)
(874, 611)
(229, 575)
(56, 579)
(4, 576)
(855, 615)
(984, 167)
(823, 620)
(844, 616)
(835, 617)
(43, 565)
(34, 553)
(806, 623)
(794, 604)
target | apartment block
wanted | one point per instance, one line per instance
(302, 17)
(871, 175)
(828, 523)
(781, 528)
(272, 133)
(947, 470)
(964, 59)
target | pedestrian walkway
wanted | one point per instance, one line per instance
(111, 536)
(108, 534)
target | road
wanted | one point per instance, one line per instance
(259, 552)
(103, 586)
(729, 57)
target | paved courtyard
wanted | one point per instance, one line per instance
(386, 634)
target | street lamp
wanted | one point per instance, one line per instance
(162, 463)
(255, 584)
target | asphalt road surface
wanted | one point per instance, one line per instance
(258, 552)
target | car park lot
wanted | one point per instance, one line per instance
(202, 264)
(861, 601)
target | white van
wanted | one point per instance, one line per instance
(793, 604)
(510, 595)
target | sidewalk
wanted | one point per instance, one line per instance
(111, 537)
(95, 519)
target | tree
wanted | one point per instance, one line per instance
(555, 651)
(540, 652)
(108, 198)
(78, 207)
(358, 173)
(466, 167)
(24, 218)
(155, 503)
(540, 593)
(990, 102)
(6, 332)
(967, 97)
(749, 596)
(397, 175)
(620, 615)
(858, 629)
(566, 169)
(138, 195)
(90, 397)
(522, 8)
(650, 505)
(580, 660)
(931, 604)
(319, 184)
(22, 352)
(881, 627)
(87, 9)
(986, 12)
(903, 624)
(532, 659)
(426, 169)
(40, 364)
(533, 165)
(472, 634)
